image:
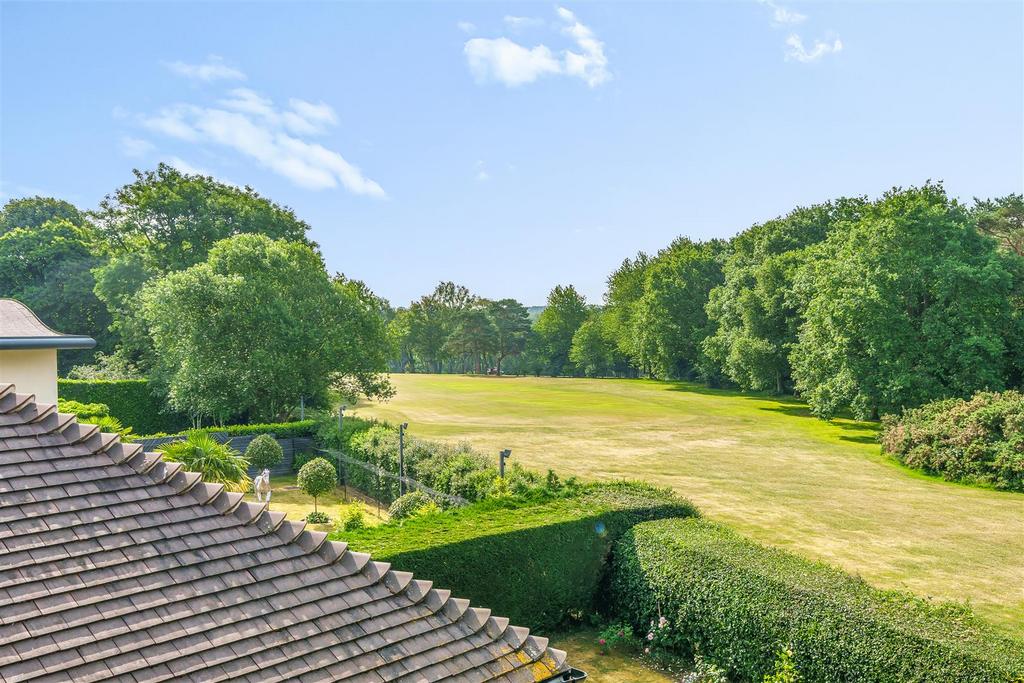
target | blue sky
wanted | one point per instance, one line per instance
(512, 147)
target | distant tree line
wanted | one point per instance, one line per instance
(855, 305)
(210, 290)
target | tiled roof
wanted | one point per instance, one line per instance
(20, 328)
(117, 565)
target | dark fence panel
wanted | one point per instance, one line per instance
(291, 446)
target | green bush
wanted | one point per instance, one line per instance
(354, 520)
(264, 452)
(318, 518)
(739, 604)
(408, 505)
(978, 441)
(538, 559)
(132, 401)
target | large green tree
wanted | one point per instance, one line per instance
(473, 339)
(565, 311)
(904, 305)
(755, 312)
(175, 218)
(165, 221)
(672, 309)
(48, 266)
(1003, 220)
(623, 312)
(511, 323)
(258, 326)
(32, 212)
(593, 347)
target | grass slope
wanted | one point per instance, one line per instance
(760, 464)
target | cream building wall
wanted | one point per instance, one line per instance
(31, 371)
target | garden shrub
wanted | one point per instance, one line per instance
(979, 441)
(318, 518)
(538, 559)
(354, 520)
(740, 604)
(132, 401)
(264, 452)
(217, 462)
(408, 505)
(97, 414)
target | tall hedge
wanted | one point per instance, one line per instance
(132, 401)
(740, 603)
(538, 560)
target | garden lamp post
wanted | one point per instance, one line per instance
(502, 456)
(401, 457)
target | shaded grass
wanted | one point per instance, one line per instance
(761, 464)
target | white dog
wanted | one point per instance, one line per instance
(261, 485)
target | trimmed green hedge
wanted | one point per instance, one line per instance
(282, 430)
(538, 560)
(739, 603)
(131, 401)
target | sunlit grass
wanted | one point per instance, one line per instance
(291, 500)
(617, 666)
(761, 464)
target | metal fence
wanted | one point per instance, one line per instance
(381, 484)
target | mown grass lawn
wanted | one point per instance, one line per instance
(761, 464)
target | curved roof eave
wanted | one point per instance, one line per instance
(55, 342)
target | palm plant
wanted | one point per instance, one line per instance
(217, 462)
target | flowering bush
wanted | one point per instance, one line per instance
(616, 635)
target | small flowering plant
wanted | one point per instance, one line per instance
(616, 635)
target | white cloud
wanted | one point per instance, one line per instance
(466, 26)
(518, 23)
(795, 49)
(185, 167)
(591, 65)
(254, 127)
(135, 147)
(301, 118)
(505, 61)
(783, 16)
(213, 69)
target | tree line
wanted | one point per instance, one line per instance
(855, 305)
(220, 298)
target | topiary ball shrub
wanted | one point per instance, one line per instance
(408, 505)
(318, 518)
(264, 452)
(316, 478)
